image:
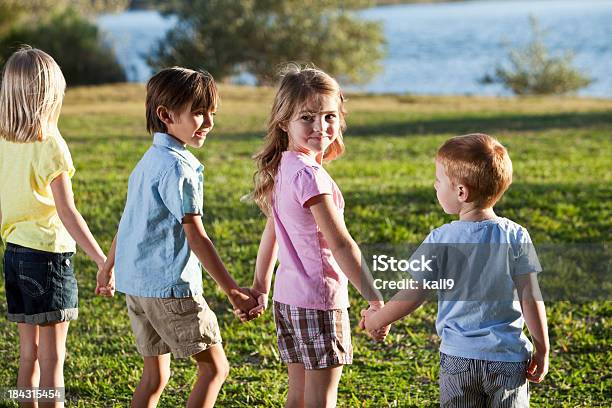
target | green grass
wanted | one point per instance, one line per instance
(561, 154)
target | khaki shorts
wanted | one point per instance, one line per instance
(183, 326)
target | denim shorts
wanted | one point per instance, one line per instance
(40, 286)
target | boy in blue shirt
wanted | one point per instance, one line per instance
(485, 358)
(161, 238)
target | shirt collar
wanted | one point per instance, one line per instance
(302, 157)
(165, 140)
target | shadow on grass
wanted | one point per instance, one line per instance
(493, 124)
(430, 126)
(525, 196)
(463, 124)
(555, 212)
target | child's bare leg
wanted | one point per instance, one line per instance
(51, 355)
(29, 370)
(295, 394)
(321, 387)
(213, 369)
(155, 376)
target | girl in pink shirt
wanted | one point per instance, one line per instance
(305, 229)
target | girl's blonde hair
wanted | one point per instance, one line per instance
(32, 92)
(298, 86)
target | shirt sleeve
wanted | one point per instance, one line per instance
(54, 159)
(180, 189)
(311, 182)
(424, 259)
(526, 259)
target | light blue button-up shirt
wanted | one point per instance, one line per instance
(483, 319)
(153, 258)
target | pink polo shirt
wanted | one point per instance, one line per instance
(308, 275)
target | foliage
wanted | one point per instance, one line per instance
(36, 9)
(69, 38)
(256, 36)
(561, 191)
(98, 6)
(533, 71)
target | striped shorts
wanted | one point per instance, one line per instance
(316, 338)
(465, 382)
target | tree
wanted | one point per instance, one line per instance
(65, 34)
(229, 36)
(533, 71)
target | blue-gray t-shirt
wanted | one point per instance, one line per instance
(481, 317)
(153, 258)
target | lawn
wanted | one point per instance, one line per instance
(561, 153)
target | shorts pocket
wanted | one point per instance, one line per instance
(309, 326)
(507, 368)
(310, 338)
(454, 365)
(509, 375)
(34, 278)
(180, 306)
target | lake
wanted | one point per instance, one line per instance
(442, 48)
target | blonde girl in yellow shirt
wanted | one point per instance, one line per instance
(39, 220)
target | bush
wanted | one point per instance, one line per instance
(73, 42)
(231, 36)
(533, 71)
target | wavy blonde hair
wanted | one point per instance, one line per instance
(31, 95)
(297, 87)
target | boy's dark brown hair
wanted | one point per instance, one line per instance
(481, 163)
(174, 88)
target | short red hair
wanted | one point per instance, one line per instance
(479, 162)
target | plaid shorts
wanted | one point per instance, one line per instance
(316, 338)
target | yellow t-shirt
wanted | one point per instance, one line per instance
(29, 215)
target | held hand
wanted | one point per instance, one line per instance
(262, 303)
(105, 282)
(258, 310)
(242, 300)
(538, 367)
(374, 305)
(377, 333)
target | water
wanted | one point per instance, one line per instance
(445, 48)
(133, 35)
(434, 48)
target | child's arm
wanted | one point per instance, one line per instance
(264, 268)
(343, 247)
(105, 279)
(202, 246)
(345, 251)
(535, 318)
(61, 187)
(400, 305)
(266, 258)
